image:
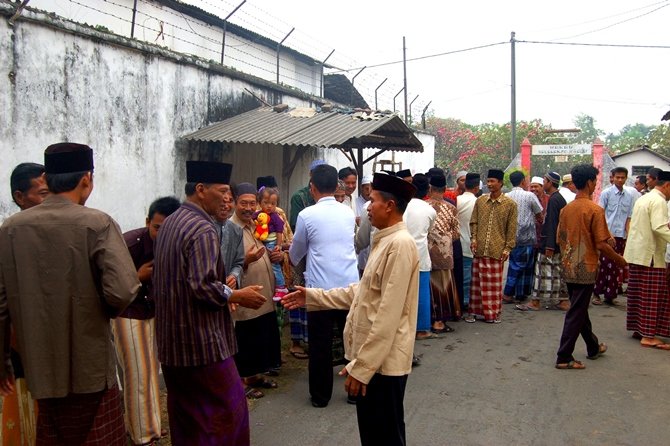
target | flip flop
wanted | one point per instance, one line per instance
(556, 307)
(446, 329)
(602, 348)
(659, 346)
(428, 336)
(264, 384)
(525, 307)
(253, 394)
(299, 354)
(571, 365)
(596, 301)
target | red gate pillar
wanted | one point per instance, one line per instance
(525, 155)
(598, 152)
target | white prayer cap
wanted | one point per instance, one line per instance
(367, 179)
(537, 180)
(461, 173)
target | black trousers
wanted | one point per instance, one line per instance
(577, 323)
(320, 332)
(381, 413)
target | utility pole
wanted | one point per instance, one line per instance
(513, 123)
(404, 70)
(225, 25)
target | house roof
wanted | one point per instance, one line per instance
(215, 20)
(642, 149)
(307, 127)
(338, 88)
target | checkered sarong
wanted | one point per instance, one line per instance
(520, 272)
(648, 310)
(548, 282)
(85, 418)
(486, 290)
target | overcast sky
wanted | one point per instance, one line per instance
(617, 86)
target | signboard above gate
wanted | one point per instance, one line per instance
(561, 149)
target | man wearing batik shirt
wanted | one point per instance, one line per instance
(493, 236)
(648, 308)
(582, 233)
(548, 283)
(618, 204)
(196, 340)
(522, 260)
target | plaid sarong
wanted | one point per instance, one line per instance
(298, 321)
(648, 310)
(610, 276)
(548, 283)
(520, 272)
(486, 290)
(91, 419)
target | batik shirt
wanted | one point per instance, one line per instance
(493, 226)
(527, 205)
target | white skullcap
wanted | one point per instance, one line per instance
(537, 180)
(367, 179)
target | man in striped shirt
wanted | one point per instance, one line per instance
(196, 341)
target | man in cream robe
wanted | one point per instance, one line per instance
(379, 333)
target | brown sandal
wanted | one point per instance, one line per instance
(571, 365)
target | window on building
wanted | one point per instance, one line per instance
(640, 170)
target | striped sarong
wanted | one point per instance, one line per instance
(520, 272)
(206, 405)
(136, 352)
(91, 419)
(548, 283)
(648, 309)
(486, 290)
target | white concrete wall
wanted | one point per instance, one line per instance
(188, 35)
(640, 158)
(131, 106)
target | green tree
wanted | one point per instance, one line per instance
(659, 139)
(589, 131)
(628, 138)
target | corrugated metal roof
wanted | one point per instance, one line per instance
(322, 130)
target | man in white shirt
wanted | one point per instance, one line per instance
(419, 218)
(568, 190)
(361, 212)
(324, 233)
(349, 176)
(464, 205)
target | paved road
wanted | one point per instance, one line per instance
(496, 385)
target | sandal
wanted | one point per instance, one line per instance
(264, 383)
(299, 354)
(253, 394)
(427, 335)
(602, 348)
(571, 365)
(526, 307)
(596, 300)
(470, 319)
(658, 345)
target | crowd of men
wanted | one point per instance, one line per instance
(191, 292)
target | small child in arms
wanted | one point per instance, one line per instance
(268, 197)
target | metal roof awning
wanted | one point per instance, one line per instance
(305, 127)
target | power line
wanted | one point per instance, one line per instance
(610, 45)
(463, 50)
(600, 19)
(615, 24)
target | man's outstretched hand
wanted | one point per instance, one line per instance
(295, 299)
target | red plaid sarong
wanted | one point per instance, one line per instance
(648, 311)
(91, 419)
(486, 290)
